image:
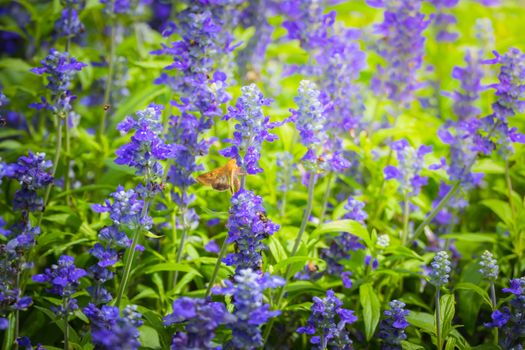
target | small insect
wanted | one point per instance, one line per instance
(106, 107)
(224, 178)
(262, 217)
(311, 266)
(3, 122)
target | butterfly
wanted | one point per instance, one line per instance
(224, 178)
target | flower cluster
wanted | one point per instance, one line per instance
(323, 324)
(65, 280)
(59, 68)
(310, 120)
(126, 213)
(201, 318)
(247, 227)
(439, 274)
(31, 172)
(249, 310)
(69, 25)
(116, 6)
(392, 327)
(146, 147)
(109, 330)
(489, 266)
(510, 320)
(410, 164)
(402, 47)
(205, 40)
(251, 130)
(510, 93)
(345, 242)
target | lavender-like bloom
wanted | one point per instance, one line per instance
(116, 6)
(249, 310)
(488, 266)
(251, 130)
(201, 318)
(402, 48)
(439, 274)
(323, 323)
(392, 327)
(443, 20)
(126, 213)
(59, 68)
(247, 228)
(410, 164)
(31, 172)
(310, 120)
(146, 147)
(69, 25)
(25, 343)
(206, 39)
(342, 245)
(510, 320)
(64, 279)
(111, 331)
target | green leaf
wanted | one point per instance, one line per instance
(472, 237)
(349, 226)
(170, 267)
(451, 344)
(294, 260)
(410, 346)
(149, 338)
(371, 309)
(500, 208)
(422, 320)
(151, 235)
(478, 290)
(447, 310)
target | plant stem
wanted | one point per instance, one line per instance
(306, 216)
(438, 207)
(183, 236)
(129, 257)
(109, 80)
(58, 149)
(493, 295)
(326, 196)
(406, 217)
(509, 189)
(67, 161)
(224, 247)
(17, 312)
(438, 321)
(66, 325)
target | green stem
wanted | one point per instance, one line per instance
(183, 236)
(509, 189)
(224, 247)
(406, 217)
(67, 161)
(58, 149)
(66, 325)
(129, 258)
(437, 209)
(438, 321)
(326, 196)
(493, 295)
(109, 80)
(304, 222)
(17, 312)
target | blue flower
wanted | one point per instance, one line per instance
(64, 279)
(439, 274)
(251, 130)
(201, 318)
(510, 319)
(392, 327)
(249, 310)
(402, 47)
(69, 24)
(146, 147)
(327, 323)
(110, 331)
(489, 266)
(247, 228)
(410, 164)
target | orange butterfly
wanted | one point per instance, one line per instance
(224, 178)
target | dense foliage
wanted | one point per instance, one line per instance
(249, 174)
